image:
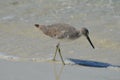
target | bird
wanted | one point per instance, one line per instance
(63, 31)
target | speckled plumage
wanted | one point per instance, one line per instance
(60, 31)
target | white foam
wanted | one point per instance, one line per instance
(9, 57)
(115, 68)
(16, 58)
(7, 17)
(67, 61)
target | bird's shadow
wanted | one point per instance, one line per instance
(90, 63)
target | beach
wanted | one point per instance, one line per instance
(51, 71)
(26, 53)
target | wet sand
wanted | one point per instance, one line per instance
(52, 71)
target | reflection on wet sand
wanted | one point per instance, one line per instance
(58, 69)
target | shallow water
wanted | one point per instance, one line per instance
(20, 40)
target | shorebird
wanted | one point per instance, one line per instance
(63, 31)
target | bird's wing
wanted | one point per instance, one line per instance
(60, 30)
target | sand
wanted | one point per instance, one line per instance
(52, 71)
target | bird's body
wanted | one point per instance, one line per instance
(63, 31)
(60, 31)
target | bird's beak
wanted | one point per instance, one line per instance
(90, 41)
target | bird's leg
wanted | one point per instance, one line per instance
(58, 49)
(55, 52)
(60, 55)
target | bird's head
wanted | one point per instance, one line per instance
(85, 32)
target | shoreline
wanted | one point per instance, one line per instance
(51, 71)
